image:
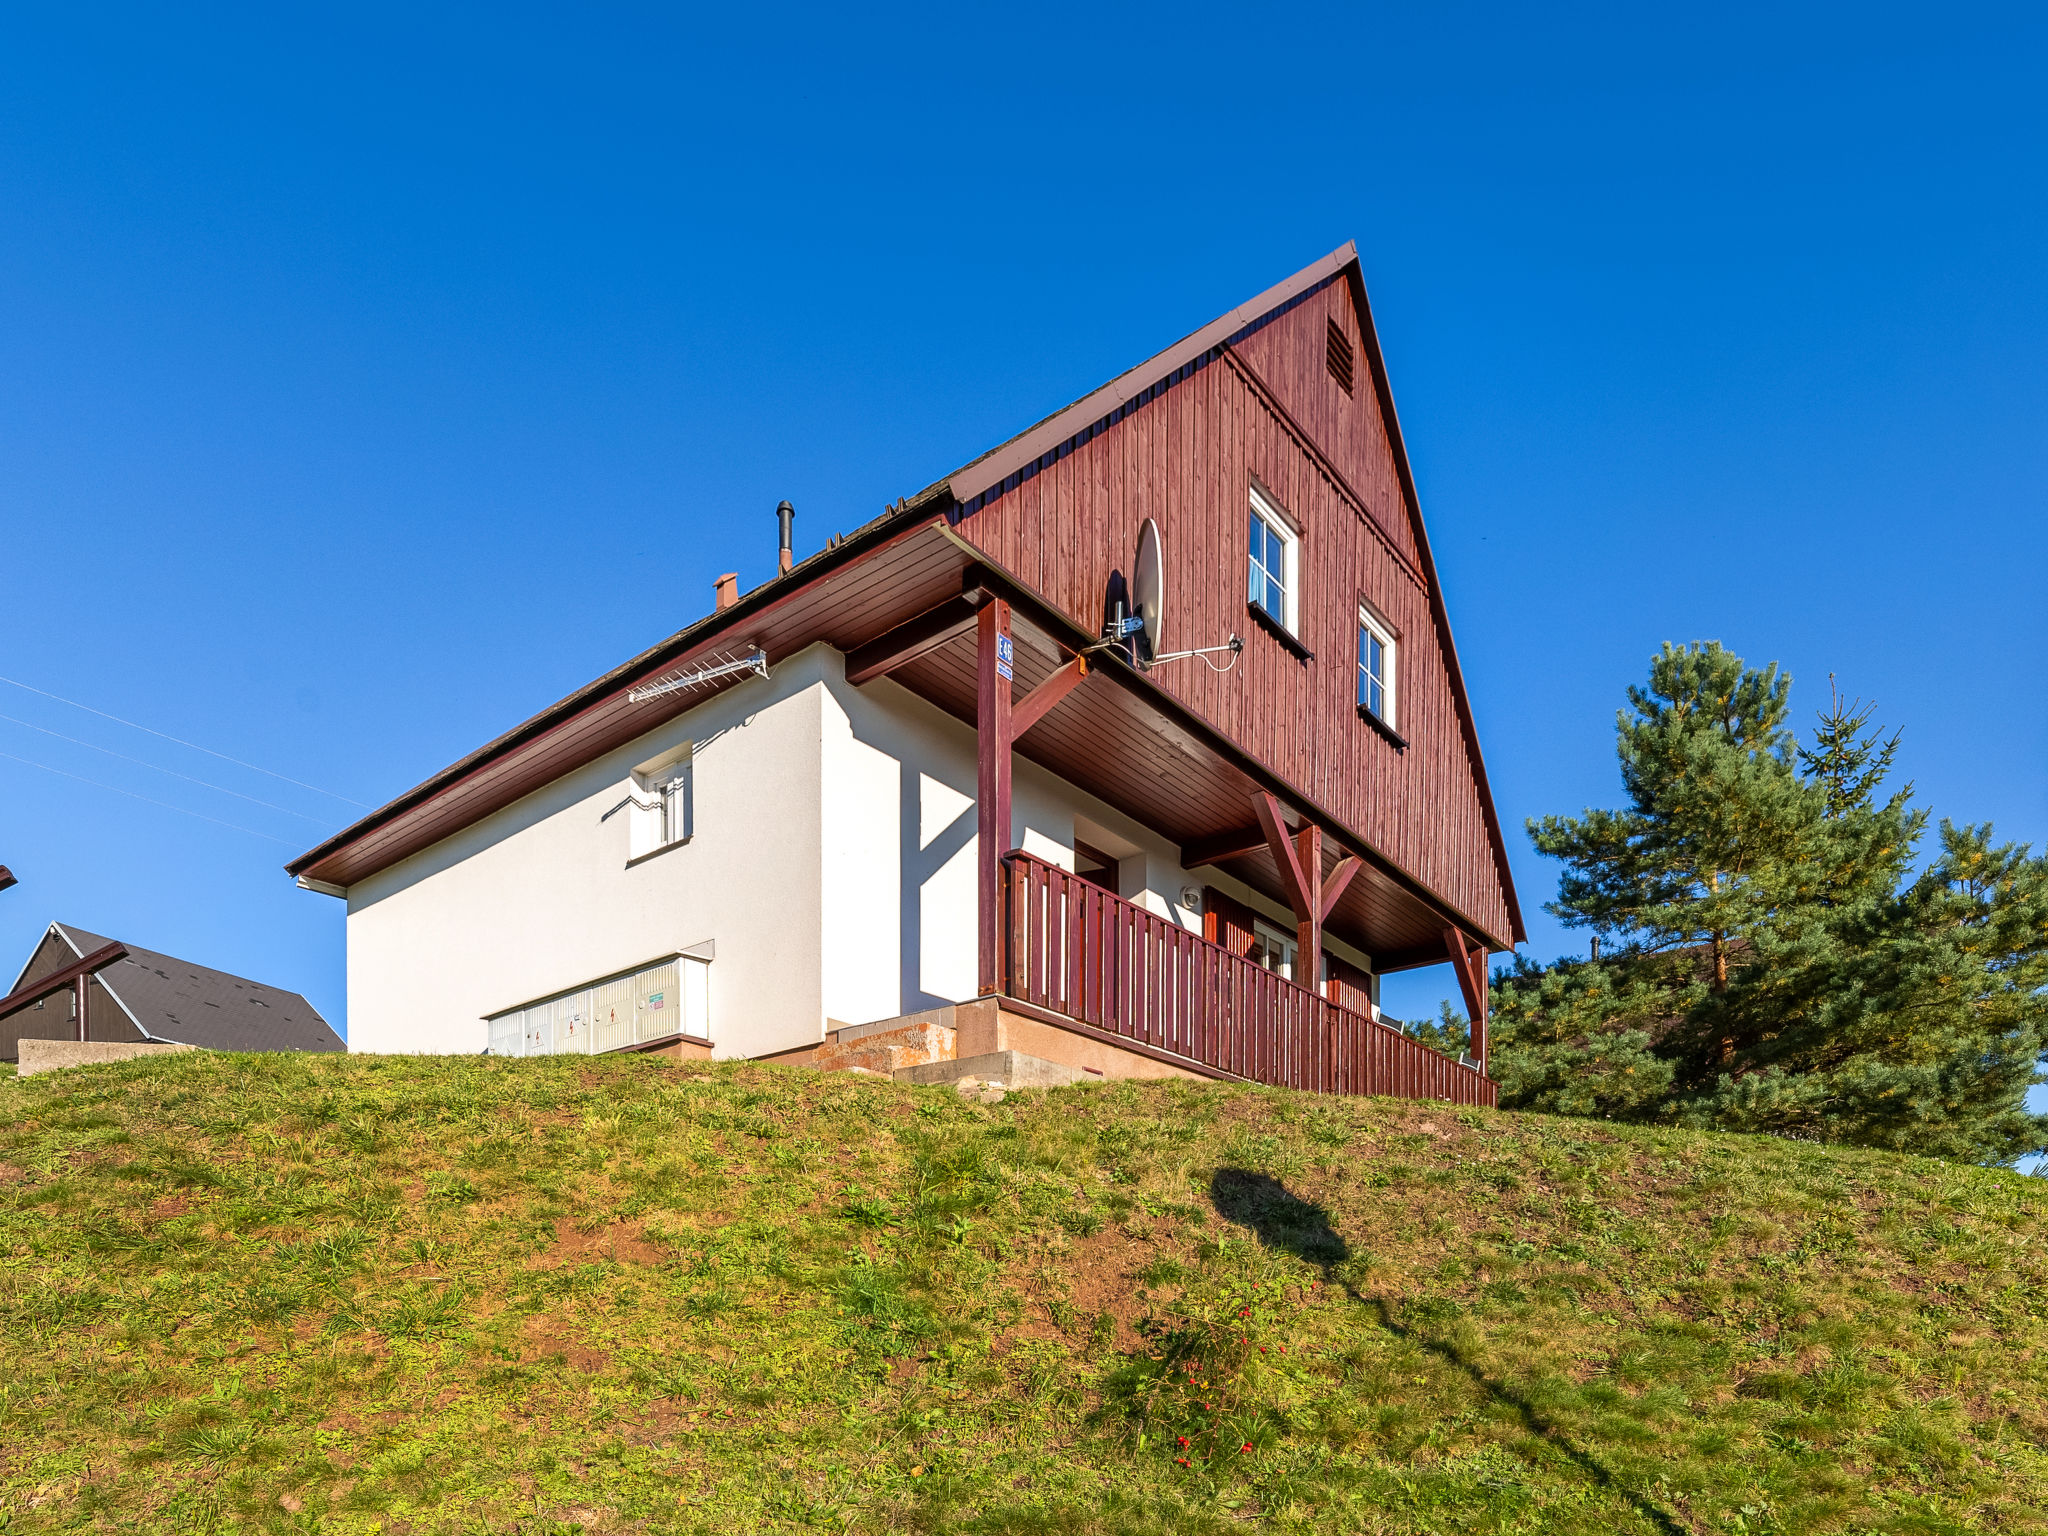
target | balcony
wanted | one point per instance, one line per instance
(1105, 967)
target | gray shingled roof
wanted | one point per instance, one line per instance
(174, 999)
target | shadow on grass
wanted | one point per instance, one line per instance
(1532, 1418)
(1277, 1217)
(1281, 1219)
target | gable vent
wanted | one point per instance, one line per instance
(1339, 356)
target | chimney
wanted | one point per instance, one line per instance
(728, 590)
(785, 515)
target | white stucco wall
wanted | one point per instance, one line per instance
(831, 870)
(538, 898)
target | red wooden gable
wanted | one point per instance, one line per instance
(1263, 404)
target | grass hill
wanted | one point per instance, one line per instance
(358, 1294)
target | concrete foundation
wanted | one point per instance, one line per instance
(939, 1043)
(888, 1050)
(1007, 1069)
(986, 1026)
(56, 1055)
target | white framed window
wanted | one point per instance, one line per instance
(1274, 568)
(676, 806)
(660, 804)
(1272, 949)
(1376, 671)
(670, 997)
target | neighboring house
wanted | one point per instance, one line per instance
(940, 784)
(128, 995)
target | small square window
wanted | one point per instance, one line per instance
(660, 804)
(1376, 650)
(1273, 567)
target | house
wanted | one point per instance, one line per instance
(83, 987)
(926, 776)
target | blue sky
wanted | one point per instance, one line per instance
(370, 379)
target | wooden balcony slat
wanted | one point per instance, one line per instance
(1081, 953)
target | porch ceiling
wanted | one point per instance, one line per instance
(1108, 740)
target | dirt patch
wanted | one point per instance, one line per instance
(1103, 1270)
(541, 1344)
(660, 1424)
(625, 1241)
(170, 1206)
(9, 1174)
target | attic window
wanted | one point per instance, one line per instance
(1338, 355)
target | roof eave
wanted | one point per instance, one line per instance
(849, 549)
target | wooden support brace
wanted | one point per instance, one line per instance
(1039, 702)
(1221, 846)
(1340, 879)
(1469, 961)
(913, 638)
(1300, 858)
(1286, 854)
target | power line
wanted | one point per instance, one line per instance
(154, 768)
(116, 789)
(300, 783)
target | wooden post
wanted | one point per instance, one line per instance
(1469, 961)
(1308, 924)
(1300, 859)
(994, 669)
(82, 985)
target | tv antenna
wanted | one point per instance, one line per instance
(1141, 629)
(704, 673)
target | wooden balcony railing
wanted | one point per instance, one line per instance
(1131, 976)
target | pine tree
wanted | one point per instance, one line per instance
(1779, 968)
(1715, 817)
(1450, 1032)
(1579, 1039)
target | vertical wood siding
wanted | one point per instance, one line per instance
(1268, 408)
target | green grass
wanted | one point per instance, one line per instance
(359, 1294)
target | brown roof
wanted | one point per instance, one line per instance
(953, 496)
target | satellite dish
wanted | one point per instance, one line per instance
(1148, 589)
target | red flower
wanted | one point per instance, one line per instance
(1182, 1442)
(1245, 1447)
